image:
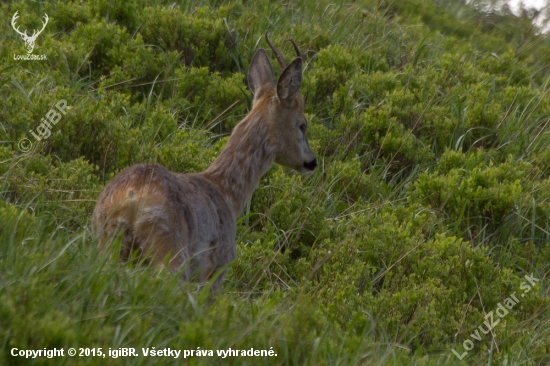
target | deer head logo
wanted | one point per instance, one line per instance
(29, 40)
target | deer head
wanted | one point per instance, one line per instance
(29, 40)
(284, 106)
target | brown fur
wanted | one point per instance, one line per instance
(188, 220)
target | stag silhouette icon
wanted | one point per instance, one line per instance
(29, 40)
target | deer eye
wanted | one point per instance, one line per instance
(303, 127)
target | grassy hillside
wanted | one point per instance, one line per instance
(409, 244)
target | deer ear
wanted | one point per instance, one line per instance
(260, 73)
(290, 80)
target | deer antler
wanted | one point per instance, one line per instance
(297, 49)
(277, 53)
(36, 33)
(13, 19)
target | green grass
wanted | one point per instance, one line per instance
(430, 205)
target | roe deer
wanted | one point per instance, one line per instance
(188, 221)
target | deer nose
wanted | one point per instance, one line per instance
(310, 165)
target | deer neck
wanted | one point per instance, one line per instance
(244, 160)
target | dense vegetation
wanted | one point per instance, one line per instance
(431, 204)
